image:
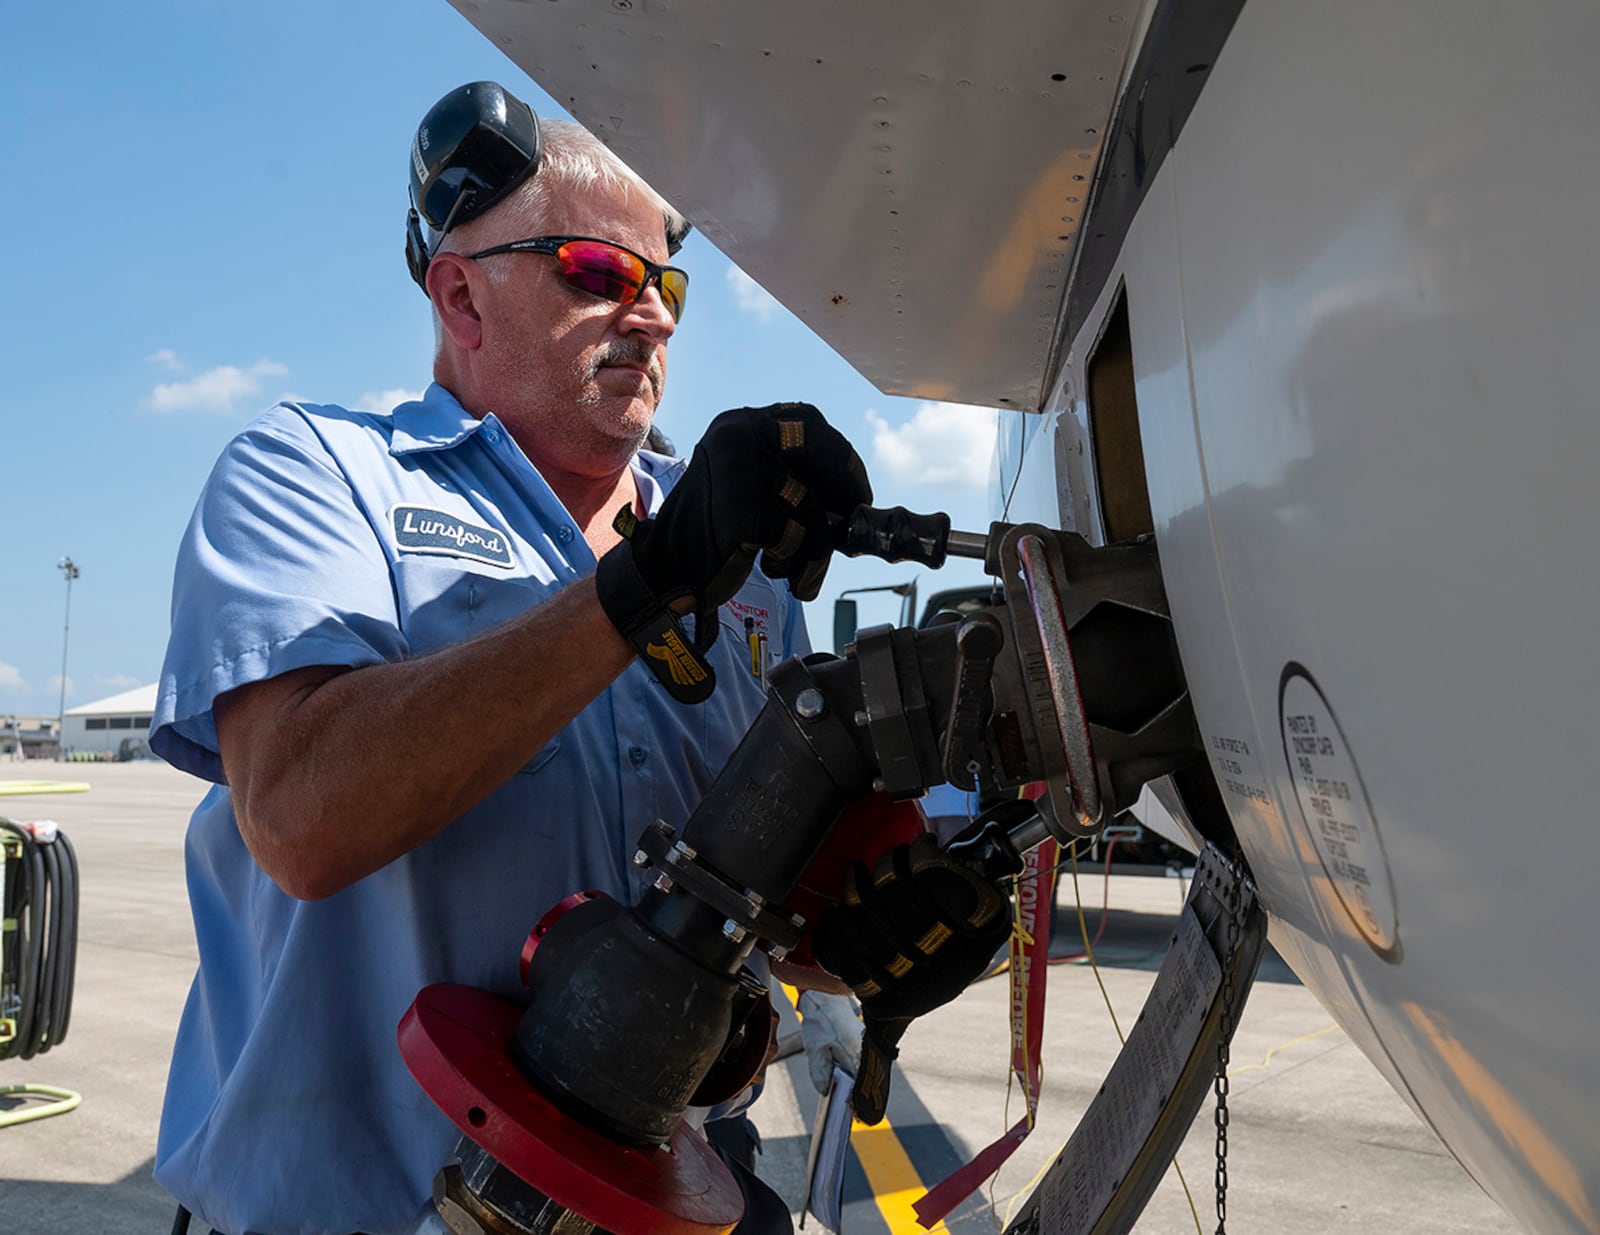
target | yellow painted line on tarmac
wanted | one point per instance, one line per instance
(890, 1173)
(19, 788)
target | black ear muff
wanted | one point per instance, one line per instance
(417, 256)
(474, 146)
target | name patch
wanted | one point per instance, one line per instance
(419, 529)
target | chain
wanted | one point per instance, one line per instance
(1224, 1039)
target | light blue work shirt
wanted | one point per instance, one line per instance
(332, 537)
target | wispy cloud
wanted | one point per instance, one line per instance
(385, 400)
(217, 390)
(53, 685)
(167, 359)
(114, 683)
(11, 677)
(945, 444)
(750, 296)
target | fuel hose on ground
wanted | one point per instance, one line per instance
(38, 954)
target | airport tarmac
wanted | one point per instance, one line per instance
(1318, 1142)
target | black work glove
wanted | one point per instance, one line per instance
(908, 937)
(773, 480)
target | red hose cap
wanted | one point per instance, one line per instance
(455, 1039)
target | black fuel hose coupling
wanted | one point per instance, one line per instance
(1073, 683)
(624, 1022)
(633, 1006)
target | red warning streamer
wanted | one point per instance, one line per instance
(1030, 955)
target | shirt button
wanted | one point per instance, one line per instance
(637, 755)
(564, 535)
(493, 435)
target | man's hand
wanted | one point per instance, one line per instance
(831, 1031)
(773, 480)
(908, 937)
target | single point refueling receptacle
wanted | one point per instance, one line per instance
(1127, 666)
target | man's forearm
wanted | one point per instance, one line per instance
(337, 773)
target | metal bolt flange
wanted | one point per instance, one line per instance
(809, 703)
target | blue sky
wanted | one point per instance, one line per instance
(206, 215)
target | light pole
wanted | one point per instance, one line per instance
(69, 568)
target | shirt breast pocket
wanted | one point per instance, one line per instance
(743, 657)
(545, 755)
(537, 797)
(443, 602)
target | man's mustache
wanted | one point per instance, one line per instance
(629, 352)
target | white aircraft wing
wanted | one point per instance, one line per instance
(908, 178)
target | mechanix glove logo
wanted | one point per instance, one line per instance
(685, 668)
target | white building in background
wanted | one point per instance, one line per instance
(103, 726)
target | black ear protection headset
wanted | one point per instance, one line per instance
(474, 146)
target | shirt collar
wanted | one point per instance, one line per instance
(655, 475)
(435, 422)
(438, 422)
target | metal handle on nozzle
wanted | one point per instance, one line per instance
(896, 534)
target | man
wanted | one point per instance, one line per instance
(419, 700)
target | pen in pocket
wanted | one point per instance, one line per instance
(757, 643)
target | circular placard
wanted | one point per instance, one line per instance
(1335, 809)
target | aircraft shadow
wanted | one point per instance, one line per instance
(132, 1205)
(1134, 940)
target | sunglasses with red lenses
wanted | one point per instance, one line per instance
(604, 269)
